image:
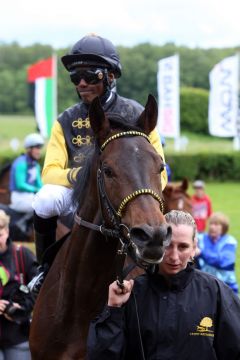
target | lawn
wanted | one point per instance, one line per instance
(15, 127)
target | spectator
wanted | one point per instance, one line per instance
(201, 205)
(17, 267)
(178, 313)
(217, 250)
(25, 179)
(93, 65)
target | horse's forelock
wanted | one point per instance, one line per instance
(119, 122)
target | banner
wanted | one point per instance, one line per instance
(223, 98)
(43, 77)
(168, 95)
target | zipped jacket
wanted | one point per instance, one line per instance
(25, 175)
(218, 258)
(193, 317)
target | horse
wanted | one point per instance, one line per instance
(176, 197)
(120, 189)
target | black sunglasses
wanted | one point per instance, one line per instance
(90, 76)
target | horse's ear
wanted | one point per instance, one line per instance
(99, 122)
(168, 189)
(148, 119)
(184, 184)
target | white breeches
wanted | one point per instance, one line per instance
(53, 200)
(22, 201)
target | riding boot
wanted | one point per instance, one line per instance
(43, 240)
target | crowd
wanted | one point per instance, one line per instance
(188, 306)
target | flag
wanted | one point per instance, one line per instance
(43, 77)
(168, 95)
(223, 98)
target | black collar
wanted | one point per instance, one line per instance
(175, 282)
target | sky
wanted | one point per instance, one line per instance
(193, 23)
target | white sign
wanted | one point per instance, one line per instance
(168, 94)
(223, 98)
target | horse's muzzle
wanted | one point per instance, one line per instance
(150, 242)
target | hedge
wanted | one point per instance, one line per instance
(209, 167)
(194, 110)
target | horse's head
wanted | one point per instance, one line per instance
(177, 198)
(129, 181)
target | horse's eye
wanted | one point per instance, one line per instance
(108, 172)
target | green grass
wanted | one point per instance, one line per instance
(13, 126)
(201, 143)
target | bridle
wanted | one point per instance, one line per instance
(117, 229)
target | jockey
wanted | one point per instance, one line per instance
(93, 65)
(25, 178)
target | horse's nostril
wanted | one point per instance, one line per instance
(139, 234)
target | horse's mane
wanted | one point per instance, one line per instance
(90, 153)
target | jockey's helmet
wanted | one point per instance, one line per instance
(95, 51)
(33, 140)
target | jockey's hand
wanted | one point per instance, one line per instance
(118, 296)
(3, 305)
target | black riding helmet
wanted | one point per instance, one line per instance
(96, 51)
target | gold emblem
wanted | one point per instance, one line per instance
(205, 324)
(79, 158)
(203, 329)
(79, 140)
(81, 123)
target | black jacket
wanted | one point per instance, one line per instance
(12, 333)
(193, 317)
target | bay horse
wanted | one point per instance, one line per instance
(120, 189)
(176, 197)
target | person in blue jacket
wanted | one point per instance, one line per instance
(217, 250)
(25, 179)
(177, 313)
(25, 174)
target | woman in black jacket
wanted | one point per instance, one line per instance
(179, 313)
(17, 268)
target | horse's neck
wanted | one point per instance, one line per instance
(90, 254)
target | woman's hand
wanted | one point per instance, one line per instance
(118, 296)
(3, 305)
(14, 306)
